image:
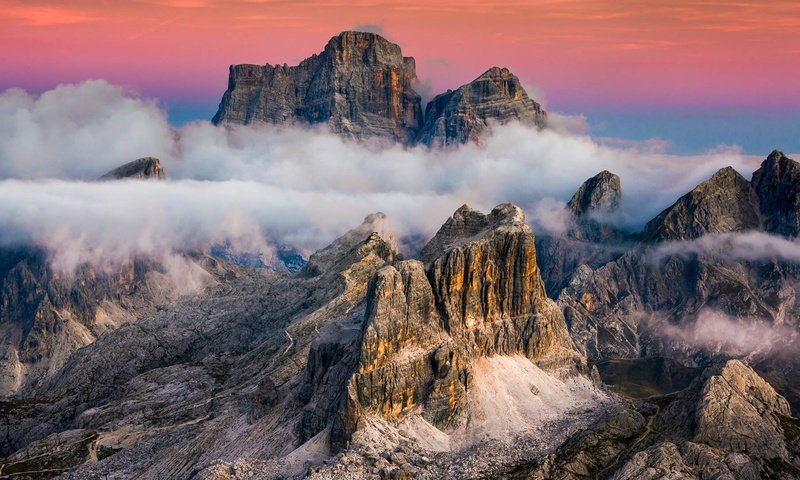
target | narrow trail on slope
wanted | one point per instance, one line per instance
(647, 431)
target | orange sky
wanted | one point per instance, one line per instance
(623, 53)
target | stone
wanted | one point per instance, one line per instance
(360, 86)
(725, 203)
(147, 168)
(467, 113)
(777, 184)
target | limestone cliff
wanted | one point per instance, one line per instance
(777, 184)
(467, 113)
(360, 85)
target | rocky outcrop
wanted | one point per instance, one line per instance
(599, 194)
(777, 184)
(424, 325)
(360, 85)
(46, 315)
(725, 203)
(728, 424)
(467, 113)
(147, 168)
(592, 236)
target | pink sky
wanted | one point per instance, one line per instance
(594, 53)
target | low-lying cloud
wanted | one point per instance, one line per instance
(716, 333)
(741, 246)
(303, 186)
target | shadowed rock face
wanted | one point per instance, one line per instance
(728, 424)
(601, 193)
(725, 203)
(360, 85)
(466, 114)
(777, 184)
(591, 238)
(144, 168)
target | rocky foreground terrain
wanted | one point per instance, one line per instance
(665, 353)
(366, 365)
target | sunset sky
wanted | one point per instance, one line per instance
(695, 73)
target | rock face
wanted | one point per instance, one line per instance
(481, 296)
(148, 168)
(728, 424)
(46, 315)
(601, 193)
(591, 237)
(777, 184)
(466, 114)
(725, 203)
(686, 278)
(360, 85)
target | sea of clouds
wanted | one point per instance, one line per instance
(262, 185)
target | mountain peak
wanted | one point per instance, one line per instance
(724, 203)
(601, 193)
(143, 168)
(360, 85)
(466, 114)
(777, 183)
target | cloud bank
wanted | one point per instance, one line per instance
(303, 186)
(719, 333)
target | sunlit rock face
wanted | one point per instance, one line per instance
(360, 86)
(481, 296)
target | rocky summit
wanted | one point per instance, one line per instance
(362, 86)
(148, 168)
(467, 113)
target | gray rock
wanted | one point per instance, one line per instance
(360, 86)
(777, 184)
(467, 113)
(147, 168)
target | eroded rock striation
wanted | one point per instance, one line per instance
(725, 203)
(360, 86)
(467, 113)
(777, 184)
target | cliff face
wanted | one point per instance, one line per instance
(480, 296)
(360, 85)
(777, 184)
(467, 113)
(725, 203)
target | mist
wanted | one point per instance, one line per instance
(256, 186)
(719, 333)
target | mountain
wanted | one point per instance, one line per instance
(685, 288)
(360, 85)
(591, 237)
(777, 184)
(144, 168)
(46, 314)
(467, 113)
(358, 352)
(725, 203)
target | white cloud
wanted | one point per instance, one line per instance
(302, 186)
